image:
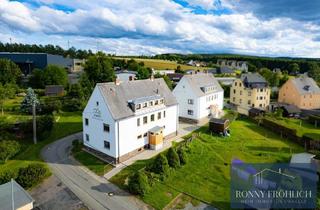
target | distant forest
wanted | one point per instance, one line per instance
(255, 62)
(50, 49)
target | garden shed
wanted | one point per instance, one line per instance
(218, 125)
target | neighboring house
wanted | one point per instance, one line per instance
(302, 92)
(78, 65)
(225, 70)
(126, 75)
(54, 90)
(199, 95)
(175, 78)
(13, 196)
(29, 61)
(251, 90)
(163, 72)
(240, 65)
(123, 118)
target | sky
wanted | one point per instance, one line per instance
(147, 27)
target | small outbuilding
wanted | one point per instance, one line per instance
(219, 125)
(255, 112)
(54, 90)
(13, 196)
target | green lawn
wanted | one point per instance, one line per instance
(66, 124)
(302, 127)
(91, 162)
(206, 175)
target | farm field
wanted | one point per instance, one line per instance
(163, 64)
(206, 176)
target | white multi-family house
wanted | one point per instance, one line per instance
(123, 118)
(199, 96)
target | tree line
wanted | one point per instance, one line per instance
(50, 49)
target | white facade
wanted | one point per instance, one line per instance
(117, 138)
(194, 106)
(126, 76)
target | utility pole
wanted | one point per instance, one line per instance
(34, 122)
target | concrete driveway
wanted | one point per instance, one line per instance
(90, 188)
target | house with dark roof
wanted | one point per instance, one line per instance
(54, 90)
(175, 77)
(302, 92)
(251, 90)
(123, 118)
(199, 96)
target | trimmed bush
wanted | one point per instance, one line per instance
(8, 149)
(160, 165)
(31, 175)
(182, 156)
(7, 175)
(138, 183)
(72, 104)
(173, 158)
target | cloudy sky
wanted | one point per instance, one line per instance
(126, 27)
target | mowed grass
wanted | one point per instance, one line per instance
(66, 123)
(302, 127)
(163, 64)
(206, 176)
(91, 162)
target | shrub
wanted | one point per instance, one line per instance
(138, 183)
(160, 165)
(73, 104)
(182, 156)
(31, 175)
(7, 175)
(8, 149)
(173, 158)
(49, 107)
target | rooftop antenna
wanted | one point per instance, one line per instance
(68, 44)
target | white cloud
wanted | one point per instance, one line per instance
(159, 26)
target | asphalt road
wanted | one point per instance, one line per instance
(91, 189)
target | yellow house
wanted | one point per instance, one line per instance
(302, 92)
(251, 90)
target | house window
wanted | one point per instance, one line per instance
(240, 92)
(159, 115)
(139, 137)
(156, 102)
(233, 99)
(145, 120)
(261, 90)
(152, 118)
(138, 122)
(138, 106)
(86, 121)
(106, 145)
(234, 91)
(145, 105)
(87, 137)
(164, 114)
(240, 100)
(190, 112)
(190, 101)
(261, 97)
(97, 103)
(235, 84)
(151, 103)
(161, 101)
(249, 93)
(260, 105)
(106, 127)
(249, 102)
(145, 134)
(240, 84)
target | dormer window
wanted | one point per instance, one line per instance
(161, 101)
(151, 103)
(156, 102)
(138, 106)
(145, 105)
